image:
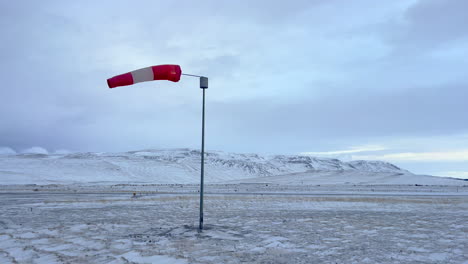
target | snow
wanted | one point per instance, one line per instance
(36, 150)
(254, 224)
(7, 151)
(142, 207)
(182, 166)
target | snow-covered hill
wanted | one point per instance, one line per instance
(183, 166)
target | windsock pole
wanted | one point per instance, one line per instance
(203, 86)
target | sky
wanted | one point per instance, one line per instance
(364, 79)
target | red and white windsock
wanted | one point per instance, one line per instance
(167, 72)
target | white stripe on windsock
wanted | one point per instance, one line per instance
(143, 75)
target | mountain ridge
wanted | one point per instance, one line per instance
(183, 166)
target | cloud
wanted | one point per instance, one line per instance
(456, 174)
(424, 26)
(436, 21)
(357, 149)
(442, 156)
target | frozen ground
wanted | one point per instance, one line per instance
(245, 223)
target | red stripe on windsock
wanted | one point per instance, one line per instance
(120, 80)
(167, 72)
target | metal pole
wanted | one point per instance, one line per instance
(202, 162)
(203, 86)
(192, 75)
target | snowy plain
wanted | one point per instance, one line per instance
(142, 207)
(274, 224)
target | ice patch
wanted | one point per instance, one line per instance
(136, 257)
(438, 256)
(55, 248)
(27, 235)
(47, 259)
(78, 228)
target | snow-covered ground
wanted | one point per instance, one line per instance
(142, 207)
(245, 223)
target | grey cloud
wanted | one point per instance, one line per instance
(427, 25)
(423, 111)
(437, 20)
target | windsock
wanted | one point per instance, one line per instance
(167, 72)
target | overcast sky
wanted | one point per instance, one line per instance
(360, 79)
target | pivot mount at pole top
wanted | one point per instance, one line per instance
(203, 82)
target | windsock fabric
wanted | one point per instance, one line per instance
(167, 72)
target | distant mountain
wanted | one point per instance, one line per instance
(183, 166)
